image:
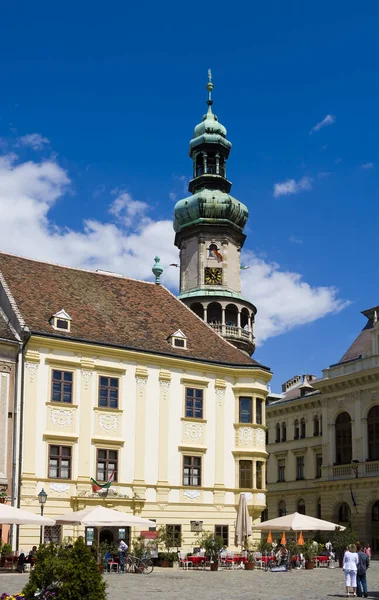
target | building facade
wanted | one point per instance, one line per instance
(209, 228)
(340, 477)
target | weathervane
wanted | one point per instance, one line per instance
(210, 87)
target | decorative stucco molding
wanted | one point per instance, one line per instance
(59, 488)
(61, 417)
(191, 494)
(86, 377)
(108, 422)
(193, 430)
(32, 370)
(245, 436)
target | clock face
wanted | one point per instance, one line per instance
(213, 276)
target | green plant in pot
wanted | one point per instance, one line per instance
(167, 541)
(342, 540)
(213, 545)
(310, 551)
(250, 549)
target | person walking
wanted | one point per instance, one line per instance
(122, 548)
(350, 564)
(363, 565)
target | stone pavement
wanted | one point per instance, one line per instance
(175, 584)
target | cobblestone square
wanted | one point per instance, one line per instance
(173, 584)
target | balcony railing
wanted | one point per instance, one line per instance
(356, 470)
(232, 331)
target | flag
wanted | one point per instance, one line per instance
(244, 268)
(96, 487)
(218, 255)
(173, 265)
(353, 500)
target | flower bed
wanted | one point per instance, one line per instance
(6, 596)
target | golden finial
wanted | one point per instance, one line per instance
(210, 87)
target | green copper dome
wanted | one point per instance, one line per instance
(211, 207)
(209, 131)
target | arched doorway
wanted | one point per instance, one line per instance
(214, 313)
(373, 433)
(343, 439)
(343, 513)
(198, 309)
(106, 535)
(231, 315)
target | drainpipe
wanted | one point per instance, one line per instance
(18, 431)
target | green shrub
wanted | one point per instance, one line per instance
(6, 550)
(74, 569)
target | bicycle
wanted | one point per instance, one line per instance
(133, 564)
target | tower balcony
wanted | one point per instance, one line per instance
(242, 338)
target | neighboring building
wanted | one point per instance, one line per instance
(122, 379)
(209, 233)
(348, 394)
(9, 348)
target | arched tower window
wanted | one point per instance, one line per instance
(373, 433)
(343, 439)
(211, 163)
(282, 508)
(277, 436)
(303, 431)
(198, 309)
(296, 432)
(284, 432)
(211, 250)
(222, 166)
(214, 313)
(344, 513)
(199, 164)
(301, 506)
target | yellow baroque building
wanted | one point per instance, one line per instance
(323, 441)
(121, 378)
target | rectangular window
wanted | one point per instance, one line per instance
(107, 463)
(259, 408)
(222, 531)
(59, 462)
(108, 392)
(61, 386)
(246, 474)
(194, 403)
(192, 470)
(299, 467)
(281, 469)
(258, 474)
(174, 535)
(318, 465)
(245, 410)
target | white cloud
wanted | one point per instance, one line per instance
(295, 240)
(286, 188)
(368, 165)
(128, 245)
(33, 140)
(328, 120)
(284, 301)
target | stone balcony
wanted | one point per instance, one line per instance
(242, 338)
(352, 471)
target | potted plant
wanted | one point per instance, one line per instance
(250, 549)
(310, 551)
(168, 541)
(342, 540)
(213, 545)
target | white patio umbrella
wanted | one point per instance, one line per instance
(297, 522)
(10, 515)
(99, 516)
(243, 522)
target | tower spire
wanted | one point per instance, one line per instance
(210, 87)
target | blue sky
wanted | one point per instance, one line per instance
(113, 92)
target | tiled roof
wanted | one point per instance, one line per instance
(112, 311)
(5, 331)
(363, 344)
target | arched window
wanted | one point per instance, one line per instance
(316, 425)
(318, 508)
(199, 168)
(222, 170)
(211, 250)
(296, 432)
(198, 309)
(373, 433)
(211, 163)
(343, 439)
(214, 313)
(282, 508)
(277, 436)
(301, 506)
(375, 511)
(302, 429)
(344, 513)
(284, 432)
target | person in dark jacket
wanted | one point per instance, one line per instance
(363, 564)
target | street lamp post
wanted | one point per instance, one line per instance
(42, 497)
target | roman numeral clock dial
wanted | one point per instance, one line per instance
(213, 276)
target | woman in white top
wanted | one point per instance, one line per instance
(350, 563)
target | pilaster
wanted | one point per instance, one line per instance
(31, 365)
(141, 375)
(86, 419)
(164, 405)
(220, 388)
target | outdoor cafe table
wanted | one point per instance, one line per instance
(197, 561)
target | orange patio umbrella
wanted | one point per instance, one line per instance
(300, 539)
(269, 538)
(283, 541)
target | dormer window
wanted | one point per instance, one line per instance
(61, 321)
(178, 340)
